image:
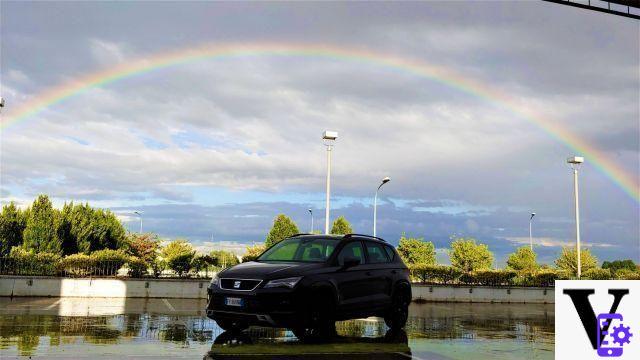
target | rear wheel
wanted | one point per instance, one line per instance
(397, 315)
(319, 320)
(229, 325)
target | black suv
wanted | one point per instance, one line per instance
(307, 282)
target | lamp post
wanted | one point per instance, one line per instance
(311, 213)
(531, 237)
(1, 102)
(329, 137)
(140, 215)
(375, 204)
(575, 162)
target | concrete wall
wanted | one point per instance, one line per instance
(197, 289)
(482, 294)
(103, 288)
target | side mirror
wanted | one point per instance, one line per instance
(350, 262)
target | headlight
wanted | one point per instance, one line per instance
(214, 281)
(286, 283)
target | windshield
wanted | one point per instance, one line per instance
(300, 250)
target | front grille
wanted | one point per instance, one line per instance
(239, 284)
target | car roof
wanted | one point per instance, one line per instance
(340, 237)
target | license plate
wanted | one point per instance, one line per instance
(230, 301)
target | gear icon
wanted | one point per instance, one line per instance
(621, 334)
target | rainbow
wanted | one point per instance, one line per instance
(577, 145)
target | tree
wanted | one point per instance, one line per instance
(416, 251)
(178, 256)
(143, 246)
(253, 252)
(12, 224)
(468, 256)
(617, 265)
(68, 241)
(568, 260)
(40, 233)
(224, 258)
(283, 227)
(524, 259)
(85, 229)
(341, 226)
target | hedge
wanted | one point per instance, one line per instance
(597, 274)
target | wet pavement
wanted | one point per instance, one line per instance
(177, 328)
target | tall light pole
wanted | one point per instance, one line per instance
(329, 137)
(575, 162)
(140, 215)
(531, 237)
(375, 204)
(311, 213)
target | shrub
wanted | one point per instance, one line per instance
(143, 246)
(493, 277)
(158, 265)
(627, 274)
(77, 265)
(137, 267)
(253, 252)
(597, 274)
(178, 255)
(108, 262)
(24, 262)
(434, 273)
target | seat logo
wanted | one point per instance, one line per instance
(236, 284)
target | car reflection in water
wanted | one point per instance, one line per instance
(346, 344)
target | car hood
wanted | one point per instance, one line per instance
(268, 270)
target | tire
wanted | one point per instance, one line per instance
(319, 320)
(228, 325)
(397, 315)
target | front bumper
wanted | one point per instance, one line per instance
(263, 307)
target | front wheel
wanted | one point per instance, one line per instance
(318, 323)
(397, 315)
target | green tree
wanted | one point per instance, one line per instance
(85, 229)
(40, 233)
(416, 251)
(524, 259)
(224, 258)
(568, 260)
(12, 224)
(616, 265)
(466, 255)
(253, 252)
(341, 226)
(283, 227)
(178, 256)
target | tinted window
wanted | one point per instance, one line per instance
(300, 250)
(352, 249)
(390, 252)
(376, 253)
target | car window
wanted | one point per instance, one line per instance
(317, 252)
(390, 252)
(352, 249)
(376, 253)
(300, 249)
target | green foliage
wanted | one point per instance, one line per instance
(491, 277)
(468, 256)
(341, 226)
(12, 224)
(77, 265)
(143, 246)
(597, 274)
(137, 267)
(523, 260)
(87, 229)
(434, 273)
(618, 265)
(283, 227)
(108, 262)
(178, 255)
(25, 262)
(223, 258)
(253, 252)
(40, 231)
(416, 251)
(201, 262)
(568, 261)
(626, 274)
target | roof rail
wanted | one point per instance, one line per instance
(300, 234)
(366, 236)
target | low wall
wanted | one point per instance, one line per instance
(483, 294)
(34, 286)
(107, 288)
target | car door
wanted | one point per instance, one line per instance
(352, 283)
(378, 272)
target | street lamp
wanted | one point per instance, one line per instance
(1, 102)
(530, 237)
(311, 213)
(375, 203)
(575, 162)
(329, 137)
(140, 215)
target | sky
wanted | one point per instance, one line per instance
(212, 150)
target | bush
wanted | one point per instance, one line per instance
(627, 274)
(158, 265)
(434, 273)
(108, 262)
(597, 274)
(492, 277)
(137, 267)
(253, 252)
(77, 265)
(178, 256)
(24, 262)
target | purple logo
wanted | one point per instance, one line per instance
(610, 343)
